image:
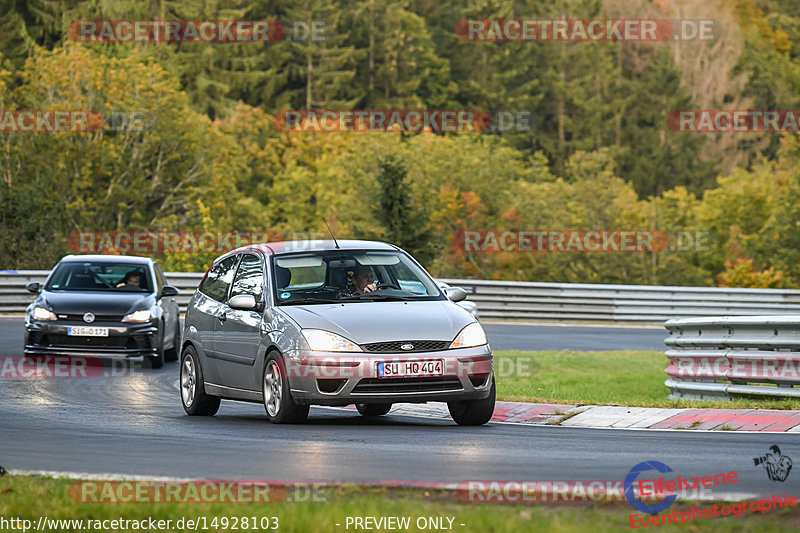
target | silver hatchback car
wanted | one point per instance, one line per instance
(294, 324)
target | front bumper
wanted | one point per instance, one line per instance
(127, 340)
(329, 378)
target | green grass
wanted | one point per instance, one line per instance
(30, 497)
(632, 378)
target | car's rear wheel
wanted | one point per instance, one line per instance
(277, 396)
(193, 393)
(373, 409)
(473, 412)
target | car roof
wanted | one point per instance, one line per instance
(318, 245)
(105, 258)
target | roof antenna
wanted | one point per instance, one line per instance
(329, 231)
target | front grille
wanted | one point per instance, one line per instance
(130, 343)
(395, 346)
(97, 318)
(395, 385)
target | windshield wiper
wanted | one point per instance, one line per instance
(374, 296)
(304, 301)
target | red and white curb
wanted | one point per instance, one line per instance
(599, 416)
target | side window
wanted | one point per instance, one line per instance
(160, 279)
(216, 283)
(249, 278)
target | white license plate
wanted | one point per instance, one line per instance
(86, 331)
(407, 369)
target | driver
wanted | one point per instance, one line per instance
(363, 281)
(131, 281)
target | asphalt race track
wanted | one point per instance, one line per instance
(506, 336)
(129, 420)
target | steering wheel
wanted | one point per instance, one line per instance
(379, 286)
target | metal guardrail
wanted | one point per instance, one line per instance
(624, 304)
(724, 357)
(14, 298)
(518, 300)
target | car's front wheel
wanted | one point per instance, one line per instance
(277, 395)
(373, 409)
(193, 393)
(157, 360)
(171, 354)
(473, 412)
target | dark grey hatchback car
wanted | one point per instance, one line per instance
(294, 324)
(104, 305)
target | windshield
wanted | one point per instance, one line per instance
(99, 276)
(352, 275)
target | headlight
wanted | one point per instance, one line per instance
(40, 313)
(325, 341)
(471, 335)
(138, 316)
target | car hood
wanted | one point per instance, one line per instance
(99, 302)
(366, 322)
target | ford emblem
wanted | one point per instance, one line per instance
(407, 346)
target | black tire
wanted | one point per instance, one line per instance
(193, 393)
(276, 394)
(373, 409)
(171, 354)
(157, 360)
(473, 412)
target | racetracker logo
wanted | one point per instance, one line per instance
(195, 492)
(177, 31)
(592, 30)
(22, 367)
(734, 121)
(386, 120)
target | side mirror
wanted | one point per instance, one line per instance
(245, 302)
(34, 287)
(456, 294)
(168, 290)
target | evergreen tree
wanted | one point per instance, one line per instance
(401, 222)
